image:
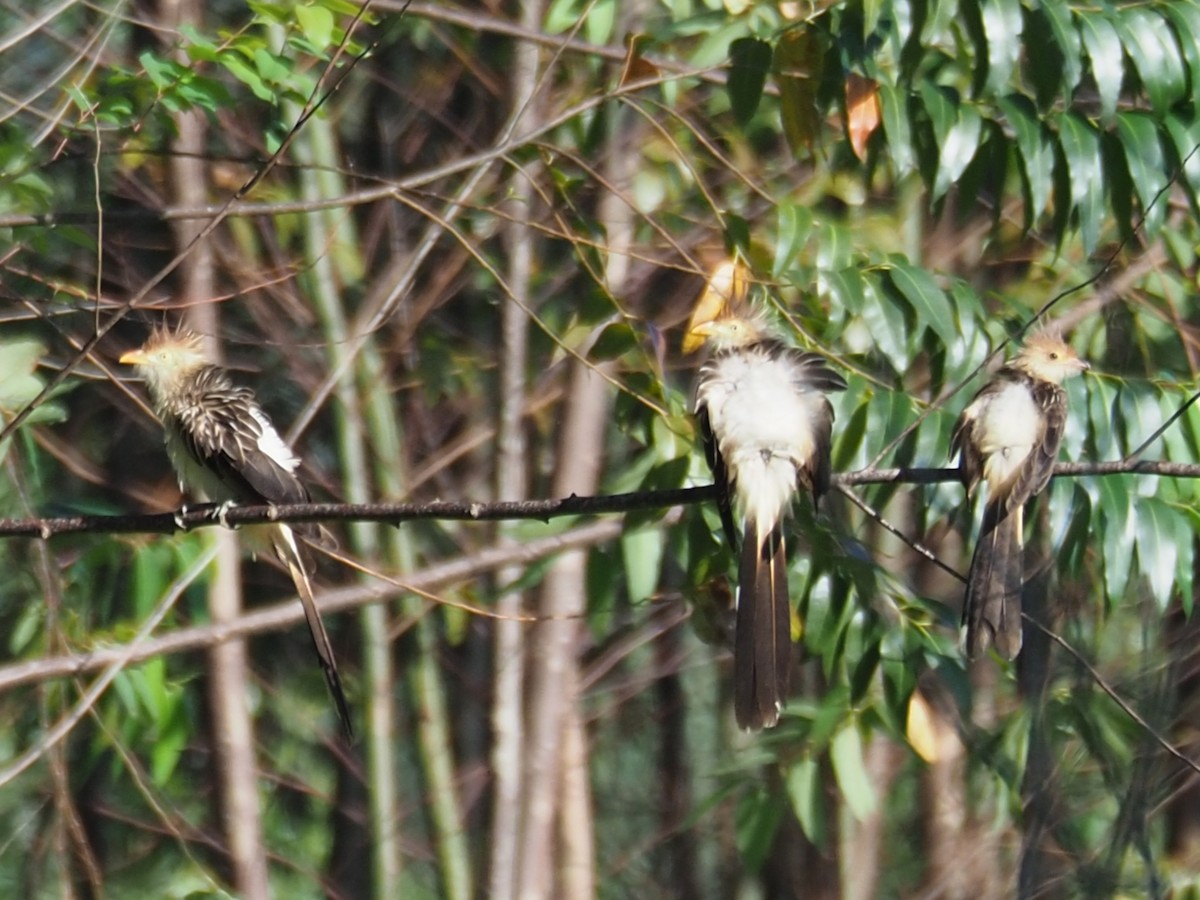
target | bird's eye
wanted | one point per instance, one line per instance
(1053, 355)
(162, 355)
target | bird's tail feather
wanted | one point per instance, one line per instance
(762, 656)
(992, 608)
(290, 553)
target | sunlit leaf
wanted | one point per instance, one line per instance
(1160, 531)
(896, 128)
(642, 551)
(1185, 17)
(1081, 149)
(806, 790)
(316, 24)
(1147, 167)
(793, 226)
(928, 300)
(846, 753)
(958, 148)
(1106, 57)
(1154, 53)
(1002, 26)
(1035, 152)
(1185, 138)
(921, 729)
(1117, 533)
(1059, 16)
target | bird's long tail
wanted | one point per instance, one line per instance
(289, 552)
(992, 608)
(762, 653)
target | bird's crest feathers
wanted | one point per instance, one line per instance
(1047, 357)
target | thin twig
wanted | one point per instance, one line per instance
(1113, 695)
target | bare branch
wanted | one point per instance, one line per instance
(288, 614)
(543, 510)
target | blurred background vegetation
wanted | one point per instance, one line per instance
(451, 248)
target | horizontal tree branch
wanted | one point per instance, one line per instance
(289, 614)
(465, 510)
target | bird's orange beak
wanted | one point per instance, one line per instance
(133, 357)
(696, 335)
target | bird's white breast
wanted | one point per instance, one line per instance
(764, 422)
(1008, 424)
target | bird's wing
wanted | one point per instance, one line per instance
(227, 432)
(812, 373)
(963, 441)
(716, 462)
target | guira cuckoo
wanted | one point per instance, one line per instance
(222, 444)
(1008, 436)
(767, 426)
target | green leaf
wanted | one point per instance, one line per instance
(958, 148)
(18, 383)
(756, 821)
(642, 552)
(613, 342)
(1106, 57)
(1139, 137)
(885, 321)
(1152, 49)
(1185, 138)
(1186, 19)
(247, 75)
(1081, 149)
(273, 69)
(849, 769)
(163, 73)
(316, 24)
(28, 626)
(806, 790)
(896, 128)
(846, 285)
(932, 307)
(1002, 26)
(848, 437)
(799, 58)
(1035, 153)
(1117, 533)
(864, 673)
(750, 61)
(793, 225)
(1160, 532)
(1058, 16)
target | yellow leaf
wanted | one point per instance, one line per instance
(921, 729)
(724, 289)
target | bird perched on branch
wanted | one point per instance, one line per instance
(767, 427)
(1008, 436)
(222, 444)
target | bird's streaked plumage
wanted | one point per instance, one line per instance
(1008, 437)
(223, 445)
(767, 427)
